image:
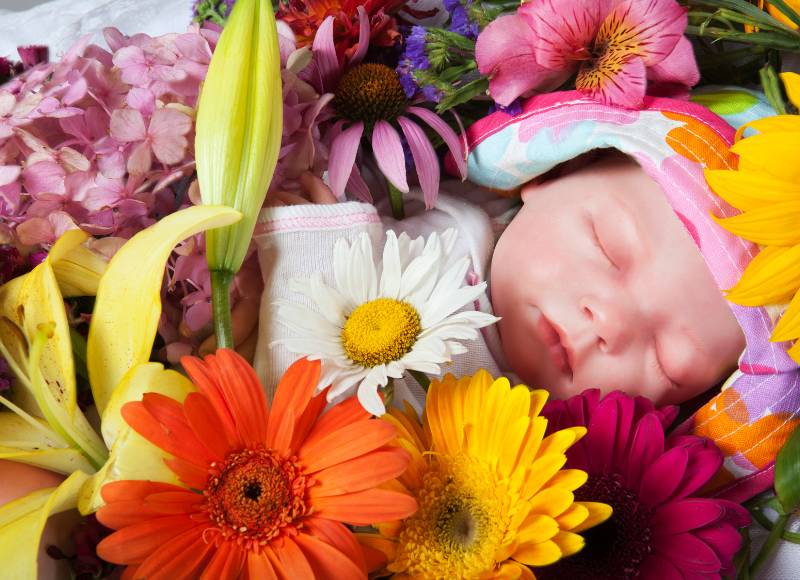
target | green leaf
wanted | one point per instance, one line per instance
(787, 473)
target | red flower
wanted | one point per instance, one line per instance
(661, 527)
(306, 16)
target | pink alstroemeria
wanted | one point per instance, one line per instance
(164, 137)
(354, 84)
(616, 48)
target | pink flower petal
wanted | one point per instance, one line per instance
(127, 125)
(358, 187)
(167, 130)
(703, 465)
(35, 231)
(140, 160)
(678, 70)
(325, 55)
(649, 29)
(9, 173)
(505, 51)
(132, 62)
(143, 100)
(565, 29)
(388, 151)
(613, 81)
(725, 540)
(687, 550)
(661, 479)
(646, 447)
(686, 515)
(343, 157)
(44, 177)
(454, 144)
(603, 427)
(425, 160)
(363, 36)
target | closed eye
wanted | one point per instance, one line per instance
(598, 243)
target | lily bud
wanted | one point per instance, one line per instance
(239, 127)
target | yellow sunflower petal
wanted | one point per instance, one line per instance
(119, 340)
(569, 479)
(511, 571)
(560, 441)
(771, 278)
(553, 502)
(791, 82)
(542, 470)
(598, 513)
(569, 543)
(788, 327)
(775, 152)
(22, 522)
(750, 190)
(514, 437)
(539, 554)
(770, 225)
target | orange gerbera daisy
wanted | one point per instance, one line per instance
(266, 491)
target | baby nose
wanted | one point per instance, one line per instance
(612, 322)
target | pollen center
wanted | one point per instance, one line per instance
(370, 92)
(460, 524)
(380, 331)
(254, 495)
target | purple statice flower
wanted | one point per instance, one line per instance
(414, 58)
(461, 24)
(514, 108)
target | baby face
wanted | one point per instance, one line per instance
(599, 285)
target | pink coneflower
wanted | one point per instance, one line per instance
(369, 100)
(661, 527)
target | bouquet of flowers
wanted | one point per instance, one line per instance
(246, 322)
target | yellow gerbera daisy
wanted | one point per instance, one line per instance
(766, 188)
(493, 497)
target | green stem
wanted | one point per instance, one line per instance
(768, 547)
(396, 201)
(421, 378)
(772, 88)
(221, 307)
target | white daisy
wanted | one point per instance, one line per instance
(380, 320)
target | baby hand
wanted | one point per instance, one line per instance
(314, 191)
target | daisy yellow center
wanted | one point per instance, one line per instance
(380, 331)
(460, 525)
(370, 92)
(254, 495)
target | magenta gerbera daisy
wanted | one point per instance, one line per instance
(370, 102)
(662, 527)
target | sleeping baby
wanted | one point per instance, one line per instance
(609, 274)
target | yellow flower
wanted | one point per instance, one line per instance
(791, 82)
(239, 126)
(766, 188)
(493, 497)
(43, 424)
(777, 14)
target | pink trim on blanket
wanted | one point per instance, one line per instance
(302, 224)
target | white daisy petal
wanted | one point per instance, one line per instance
(369, 398)
(390, 276)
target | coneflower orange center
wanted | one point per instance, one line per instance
(255, 494)
(370, 92)
(380, 331)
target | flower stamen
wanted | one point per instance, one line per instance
(380, 331)
(370, 92)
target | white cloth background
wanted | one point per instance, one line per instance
(59, 23)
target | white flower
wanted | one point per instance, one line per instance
(380, 320)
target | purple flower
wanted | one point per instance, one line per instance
(461, 24)
(414, 58)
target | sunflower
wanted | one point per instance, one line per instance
(493, 497)
(265, 492)
(376, 323)
(766, 188)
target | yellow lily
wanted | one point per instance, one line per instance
(43, 425)
(766, 188)
(238, 138)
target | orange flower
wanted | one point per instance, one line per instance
(266, 491)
